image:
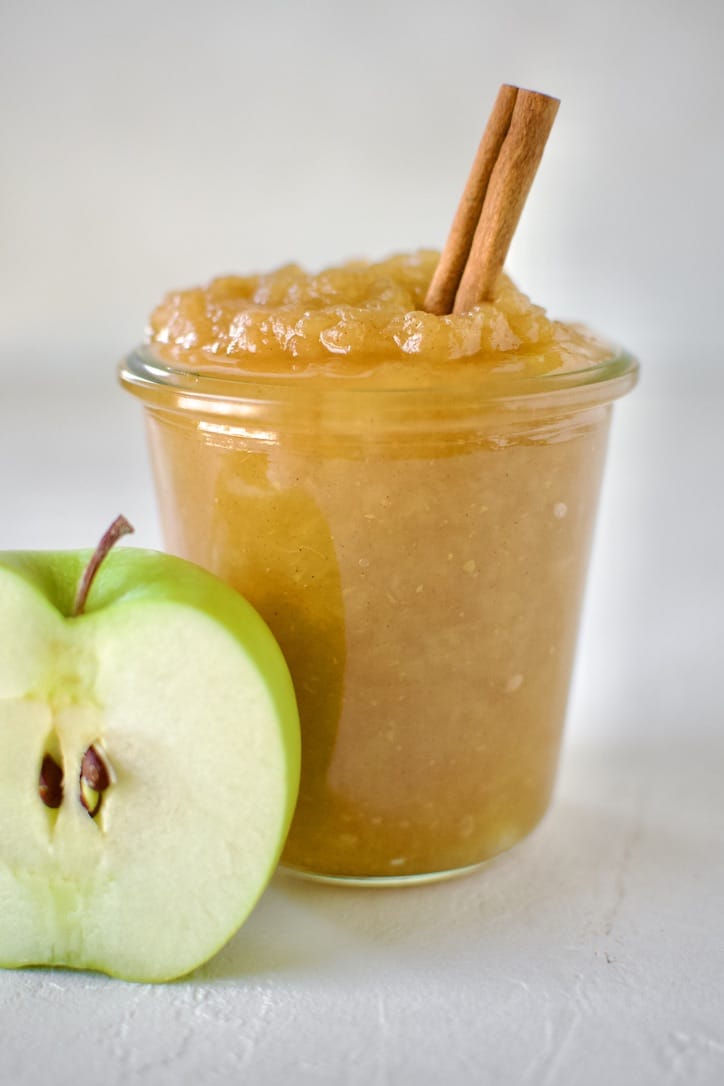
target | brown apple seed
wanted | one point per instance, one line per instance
(94, 771)
(94, 779)
(50, 783)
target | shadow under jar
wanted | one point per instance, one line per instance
(420, 555)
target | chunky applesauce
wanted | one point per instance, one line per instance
(361, 320)
(408, 501)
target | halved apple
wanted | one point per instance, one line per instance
(149, 762)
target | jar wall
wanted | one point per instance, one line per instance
(426, 596)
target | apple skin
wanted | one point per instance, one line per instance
(53, 863)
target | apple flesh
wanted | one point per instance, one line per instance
(149, 763)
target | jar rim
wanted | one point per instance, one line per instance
(155, 381)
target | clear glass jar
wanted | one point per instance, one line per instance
(420, 555)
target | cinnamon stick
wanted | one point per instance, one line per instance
(440, 296)
(493, 199)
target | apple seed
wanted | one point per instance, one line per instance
(94, 779)
(50, 784)
(94, 771)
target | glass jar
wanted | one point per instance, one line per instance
(420, 555)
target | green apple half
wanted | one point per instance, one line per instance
(149, 763)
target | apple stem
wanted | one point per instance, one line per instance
(118, 528)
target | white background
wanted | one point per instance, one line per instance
(147, 145)
(153, 144)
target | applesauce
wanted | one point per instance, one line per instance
(408, 501)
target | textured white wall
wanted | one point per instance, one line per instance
(151, 144)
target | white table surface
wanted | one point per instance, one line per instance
(592, 953)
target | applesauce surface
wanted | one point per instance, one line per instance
(361, 320)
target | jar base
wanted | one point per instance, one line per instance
(382, 881)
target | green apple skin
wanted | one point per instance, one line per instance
(181, 685)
